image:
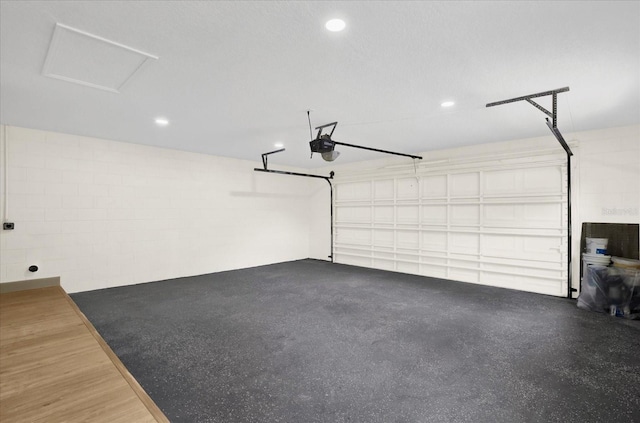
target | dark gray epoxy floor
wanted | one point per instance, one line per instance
(308, 341)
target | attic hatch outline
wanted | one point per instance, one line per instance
(53, 55)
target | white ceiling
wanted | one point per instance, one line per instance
(233, 78)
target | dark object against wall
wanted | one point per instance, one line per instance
(623, 238)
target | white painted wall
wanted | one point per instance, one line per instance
(102, 213)
(605, 176)
(320, 219)
(609, 175)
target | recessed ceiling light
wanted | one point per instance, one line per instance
(278, 145)
(447, 104)
(335, 25)
(162, 122)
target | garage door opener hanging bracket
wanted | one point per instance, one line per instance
(553, 126)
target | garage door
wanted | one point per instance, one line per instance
(501, 225)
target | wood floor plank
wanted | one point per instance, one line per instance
(55, 367)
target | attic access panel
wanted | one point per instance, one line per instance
(86, 59)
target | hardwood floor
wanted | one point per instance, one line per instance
(55, 367)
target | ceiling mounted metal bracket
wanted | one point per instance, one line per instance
(553, 114)
(319, 128)
(553, 126)
(265, 157)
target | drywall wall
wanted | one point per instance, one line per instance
(102, 213)
(605, 176)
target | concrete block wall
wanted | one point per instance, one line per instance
(101, 213)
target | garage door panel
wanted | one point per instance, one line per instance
(501, 215)
(539, 271)
(465, 260)
(523, 283)
(383, 255)
(383, 214)
(383, 237)
(434, 186)
(465, 214)
(353, 236)
(435, 215)
(543, 180)
(383, 189)
(383, 264)
(547, 247)
(519, 182)
(465, 184)
(497, 226)
(353, 191)
(408, 239)
(543, 215)
(435, 260)
(352, 260)
(348, 214)
(536, 215)
(464, 243)
(502, 182)
(433, 271)
(436, 241)
(464, 275)
(407, 188)
(408, 214)
(411, 268)
(406, 255)
(525, 247)
(500, 245)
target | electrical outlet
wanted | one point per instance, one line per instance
(8, 226)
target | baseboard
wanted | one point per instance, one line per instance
(29, 284)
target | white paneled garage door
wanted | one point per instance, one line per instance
(495, 225)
